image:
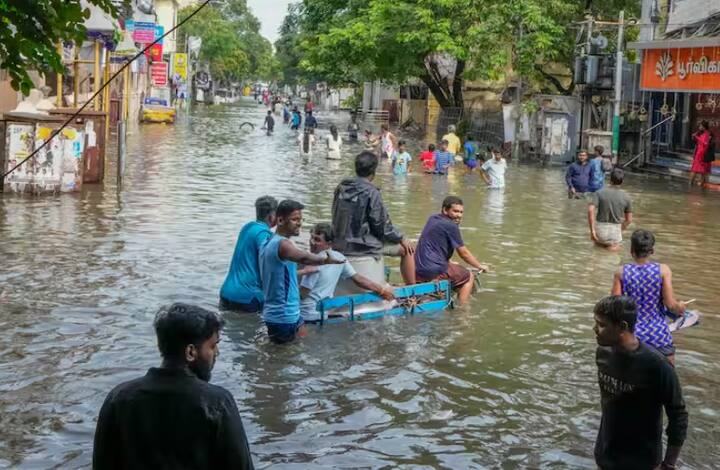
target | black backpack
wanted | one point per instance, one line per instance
(710, 151)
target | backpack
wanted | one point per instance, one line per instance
(710, 152)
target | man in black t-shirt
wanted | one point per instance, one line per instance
(636, 383)
(172, 417)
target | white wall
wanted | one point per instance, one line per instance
(167, 17)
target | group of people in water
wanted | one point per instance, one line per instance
(636, 351)
(270, 275)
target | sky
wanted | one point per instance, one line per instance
(271, 14)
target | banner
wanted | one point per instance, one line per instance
(159, 73)
(155, 53)
(144, 33)
(180, 65)
(689, 69)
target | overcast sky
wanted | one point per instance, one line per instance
(271, 14)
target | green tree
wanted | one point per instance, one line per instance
(287, 46)
(231, 41)
(30, 31)
(442, 42)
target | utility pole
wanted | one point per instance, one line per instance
(618, 86)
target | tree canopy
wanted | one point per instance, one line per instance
(30, 32)
(231, 41)
(440, 42)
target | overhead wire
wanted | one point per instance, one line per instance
(124, 66)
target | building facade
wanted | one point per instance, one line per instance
(679, 79)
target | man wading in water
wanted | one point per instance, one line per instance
(279, 258)
(361, 222)
(614, 213)
(172, 417)
(242, 289)
(636, 383)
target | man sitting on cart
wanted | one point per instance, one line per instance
(321, 282)
(361, 222)
(439, 240)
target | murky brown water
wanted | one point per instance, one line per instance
(508, 382)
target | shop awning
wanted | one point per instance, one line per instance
(676, 43)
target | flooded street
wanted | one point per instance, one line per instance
(507, 382)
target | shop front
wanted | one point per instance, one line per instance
(680, 85)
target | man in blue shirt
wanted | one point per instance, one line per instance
(242, 290)
(443, 159)
(578, 176)
(310, 121)
(278, 270)
(597, 182)
(439, 240)
(321, 282)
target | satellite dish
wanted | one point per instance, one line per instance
(600, 41)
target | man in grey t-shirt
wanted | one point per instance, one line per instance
(609, 213)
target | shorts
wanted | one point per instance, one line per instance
(609, 234)
(253, 307)
(457, 275)
(471, 163)
(281, 333)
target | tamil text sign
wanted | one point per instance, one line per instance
(687, 69)
(159, 73)
(144, 33)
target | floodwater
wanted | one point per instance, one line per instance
(508, 382)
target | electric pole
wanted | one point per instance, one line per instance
(618, 86)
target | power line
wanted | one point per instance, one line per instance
(125, 65)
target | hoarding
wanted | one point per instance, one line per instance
(180, 65)
(685, 69)
(144, 33)
(159, 73)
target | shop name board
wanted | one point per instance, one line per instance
(144, 33)
(159, 73)
(686, 69)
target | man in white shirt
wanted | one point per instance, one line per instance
(493, 170)
(321, 282)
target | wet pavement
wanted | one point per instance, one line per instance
(507, 382)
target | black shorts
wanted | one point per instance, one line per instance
(281, 333)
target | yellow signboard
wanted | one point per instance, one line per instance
(180, 65)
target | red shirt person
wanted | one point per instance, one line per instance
(428, 159)
(703, 139)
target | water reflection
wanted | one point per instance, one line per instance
(508, 381)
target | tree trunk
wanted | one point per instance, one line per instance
(446, 96)
(458, 83)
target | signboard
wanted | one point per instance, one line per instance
(144, 33)
(155, 53)
(687, 12)
(159, 31)
(688, 69)
(159, 73)
(180, 65)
